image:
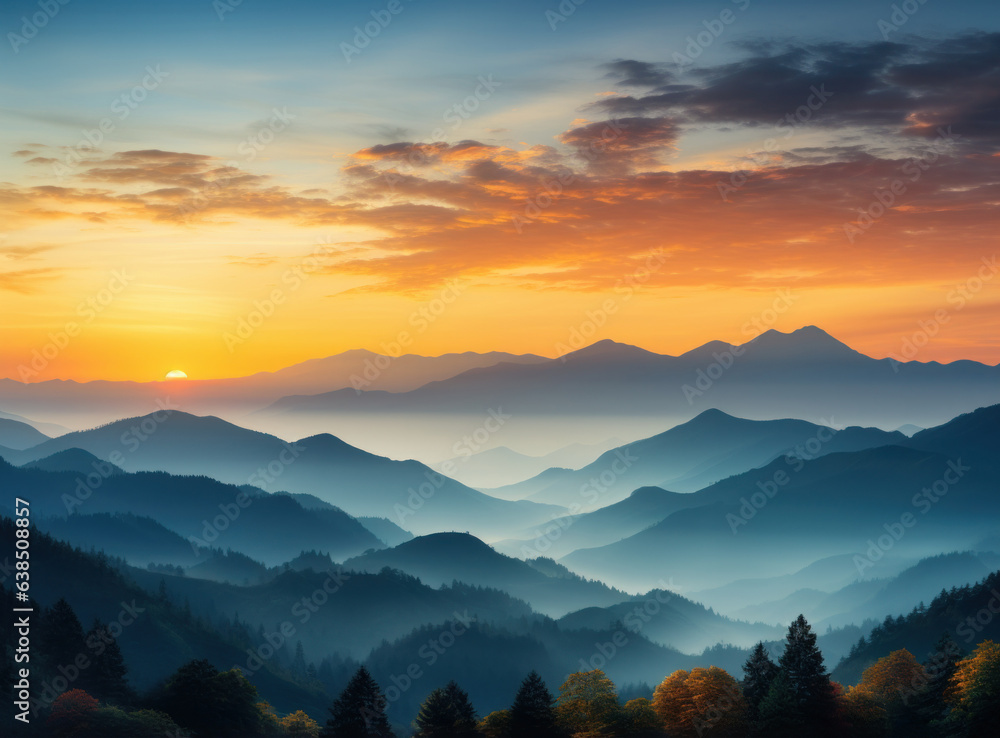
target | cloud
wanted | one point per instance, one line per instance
(582, 213)
(632, 73)
(24, 253)
(27, 281)
(621, 145)
(911, 87)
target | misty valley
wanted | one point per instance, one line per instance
(572, 548)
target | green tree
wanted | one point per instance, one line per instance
(532, 715)
(928, 696)
(212, 703)
(105, 678)
(780, 712)
(359, 711)
(759, 672)
(638, 719)
(62, 639)
(447, 713)
(811, 688)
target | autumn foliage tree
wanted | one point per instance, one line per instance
(299, 725)
(72, 714)
(974, 692)
(690, 703)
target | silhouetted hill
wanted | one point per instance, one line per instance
(271, 528)
(139, 540)
(445, 557)
(74, 460)
(340, 611)
(643, 508)
(17, 435)
(690, 456)
(386, 531)
(835, 504)
(669, 619)
(407, 492)
(157, 636)
(955, 612)
(802, 374)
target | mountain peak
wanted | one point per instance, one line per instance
(608, 349)
(807, 342)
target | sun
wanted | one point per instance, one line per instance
(176, 374)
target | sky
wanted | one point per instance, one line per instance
(229, 187)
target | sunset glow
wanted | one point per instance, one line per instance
(247, 231)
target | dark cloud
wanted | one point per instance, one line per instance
(623, 144)
(632, 73)
(911, 87)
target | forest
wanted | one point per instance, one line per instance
(950, 693)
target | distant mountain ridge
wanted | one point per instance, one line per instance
(406, 492)
(627, 392)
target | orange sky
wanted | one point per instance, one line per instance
(623, 226)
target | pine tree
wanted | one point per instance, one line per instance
(758, 674)
(532, 715)
(299, 662)
(359, 712)
(929, 701)
(62, 636)
(802, 664)
(447, 713)
(105, 679)
(466, 722)
(780, 713)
